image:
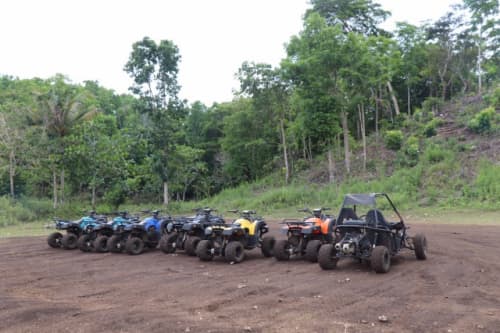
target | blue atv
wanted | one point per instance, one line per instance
(116, 243)
(93, 227)
(145, 234)
(67, 241)
(193, 231)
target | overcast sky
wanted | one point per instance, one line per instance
(92, 39)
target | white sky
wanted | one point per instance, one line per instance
(92, 39)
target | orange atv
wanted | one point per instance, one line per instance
(304, 238)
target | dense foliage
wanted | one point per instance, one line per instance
(346, 88)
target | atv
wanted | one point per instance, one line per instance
(145, 234)
(369, 237)
(304, 238)
(67, 241)
(175, 236)
(231, 241)
(95, 232)
(195, 226)
(116, 243)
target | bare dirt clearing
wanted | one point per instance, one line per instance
(50, 290)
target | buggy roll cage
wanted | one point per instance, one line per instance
(368, 200)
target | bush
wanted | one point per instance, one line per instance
(484, 121)
(435, 154)
(394, 139)
(430, 129)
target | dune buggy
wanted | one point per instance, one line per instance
(369, 237)
(231, 241)
(304, 238)
(194, 228)
(67, 241)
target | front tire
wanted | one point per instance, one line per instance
(115, 244)
(327, 258)
(168, 243)
(54, 240)
(420, 245)
(235, 252)
(267, 246)
(380, 259)
(204, 250)
(191, 244)
(312, 250)
(282, 250)
(101, 244)
(69, 241)
(134, 246)
(84, 243)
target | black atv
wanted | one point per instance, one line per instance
(369, 237)
(116, 243)
(95, 232)
(231, 241)
(67, 241)
(175, 236)
(194, 228)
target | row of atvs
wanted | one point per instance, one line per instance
(318, 237)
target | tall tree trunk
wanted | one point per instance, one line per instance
(331, 165)
(361, 112)
(304, 147)
(408, 95)
(54, 186)
(393, 97)
(479, 61)
(93, 197)
(165, 193)
(345, 130)
(12, 172)
(61, 197)
(285, 152)
(310, 149)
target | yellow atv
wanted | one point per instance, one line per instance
(231, 241)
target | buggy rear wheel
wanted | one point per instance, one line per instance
(312, 250)
(191, 244)
(54, 239)
(134, 246)
(204, 250)
(420, 245)
(282, 250)
(115, 244)
(69, 241)
(168, 243)
(85, 243)
(380, 259)
(267, 246)
(101, 244)
(235, 252)
(327, 258)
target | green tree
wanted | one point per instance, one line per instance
(154, 68)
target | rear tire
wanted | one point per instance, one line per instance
(380, 259)
(115, 244)
(327, 258)
(69, 241)
(282, 250)
(420, 245)
(168, 243)
(312, 250)
(191, 244)
(54, 240)
(204, 250)
(134, 246)
(235, 252)
(84, 243)
(101, 244)
(267, 246)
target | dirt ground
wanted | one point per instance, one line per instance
(53, 290)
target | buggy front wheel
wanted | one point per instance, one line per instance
(327, 258)
(380, 259)
(420, 246)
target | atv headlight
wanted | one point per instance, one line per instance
(208, 231)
